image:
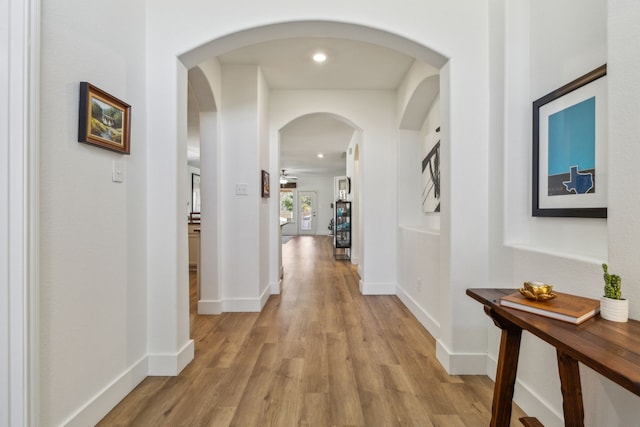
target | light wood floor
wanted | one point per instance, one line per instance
(319, 354)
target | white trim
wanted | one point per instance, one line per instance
(368, 288)
(461, 363)
(237, 305)
(34, 213)
(207, 307)
(241, 305)
(247, 305)
(264, 297)
(276, 288)
(553, 253)
(105, 400)
(425, 319)
(171, 364)
(19, 82)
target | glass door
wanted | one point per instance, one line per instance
(307, 210)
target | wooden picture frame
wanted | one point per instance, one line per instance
(104, 120)
(570, 143)
(265, 184)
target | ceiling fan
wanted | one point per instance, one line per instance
(284, 177)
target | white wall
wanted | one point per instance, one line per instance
(562, 46)
(419, 282)
(93, 281)
(418, 105)
(241, 154)
(409, 178)
(323, 186)
(355, 196)
(623, 47)
(373, 112)
(410, 109)
(98, 263)
(209, 84)
(624, 128)
(455, 30)
(544, 45)
(264, 216)
(443, 33)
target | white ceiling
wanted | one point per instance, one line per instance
(287, 64)
(303, 139)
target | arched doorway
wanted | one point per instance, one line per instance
(269, 260)
(299, 140)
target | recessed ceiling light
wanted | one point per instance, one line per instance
(319, 57)
(320, 155)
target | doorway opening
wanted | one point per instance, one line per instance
(307, 201)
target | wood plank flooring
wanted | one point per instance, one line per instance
(320, 354)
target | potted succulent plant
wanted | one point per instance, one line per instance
(612, 306)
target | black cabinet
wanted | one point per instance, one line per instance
(342, 230)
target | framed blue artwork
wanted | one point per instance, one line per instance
(570, 149)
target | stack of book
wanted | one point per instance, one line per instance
(565, 307)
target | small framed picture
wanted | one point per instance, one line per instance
(103, 120)
(570, 149)
(195, 192)
(265, 184)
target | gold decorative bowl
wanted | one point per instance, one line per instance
(537, 291)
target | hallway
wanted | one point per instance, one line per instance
(319, 354)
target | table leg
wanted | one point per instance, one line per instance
(506, 371)
(571, 390)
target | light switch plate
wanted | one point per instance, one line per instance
(242, 189)
(117, 174)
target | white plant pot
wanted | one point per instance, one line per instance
(616, 310)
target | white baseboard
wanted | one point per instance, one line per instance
(428, 322)
(377, 288)
(264, 297)
(238, 305)
(530, 402)
(461, 363)
(276, 287)
(209, 306)
(171, 364)
(243, 305)
(100, 405)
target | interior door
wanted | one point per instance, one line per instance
(307, 212)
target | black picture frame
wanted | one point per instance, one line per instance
(112, 130)
(570, 123)
(266, 193)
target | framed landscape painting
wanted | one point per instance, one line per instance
(103, 120)
(570, 149)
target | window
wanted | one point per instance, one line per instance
(286, 204)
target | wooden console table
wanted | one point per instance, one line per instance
(609, 348)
